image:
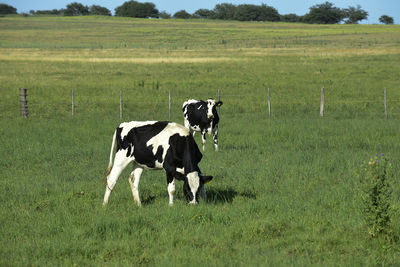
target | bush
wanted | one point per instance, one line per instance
(377, 195)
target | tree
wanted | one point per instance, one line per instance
(7, 9)
(45, 12)
(182, 14)
(386, 19)
(224, 11)
(291, 18)
(269, 13)
(325, 13)
(355, 14)
(137, 10)
(248, 12)
(99, 10)
(164, 15)
(76, 9)
(204, 14)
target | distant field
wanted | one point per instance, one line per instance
(286, 189)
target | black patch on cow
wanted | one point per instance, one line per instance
(128, 152)
(197, 114)
(182, 153)
(159, 154)
(215, 114)
(135, 142)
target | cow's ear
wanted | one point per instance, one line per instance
(219, 103)
(206, 179)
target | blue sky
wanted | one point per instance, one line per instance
(375, 8)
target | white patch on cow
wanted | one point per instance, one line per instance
(171, 192)
(181, 170)
(127, 126)
(194, 183)
(209, 129)
(210, 105)
(134, 180)
(195, 128)
(120, 163)
(162, 139)
(190, 101)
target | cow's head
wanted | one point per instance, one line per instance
(194, 182)
(211, 110)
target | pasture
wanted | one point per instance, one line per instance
(286, 189)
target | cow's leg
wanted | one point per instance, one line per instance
(215, 137)
(120, 163)
(171, 188)
(203, 192)
(203, 139)
(134, 179)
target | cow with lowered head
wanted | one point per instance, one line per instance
(156, 145)
(202, 116)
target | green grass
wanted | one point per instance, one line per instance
(286, 189)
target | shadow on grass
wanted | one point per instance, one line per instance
(148, 200)
(215, 195)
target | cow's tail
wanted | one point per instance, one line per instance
(110, 163)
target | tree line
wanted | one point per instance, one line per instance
(324, 13)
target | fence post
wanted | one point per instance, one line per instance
(384, 97)
(24, 103)
(73, 102)
(169, 105)
(120, 104)
(269, 105)
(321, 109)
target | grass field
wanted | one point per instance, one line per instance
(286, 189)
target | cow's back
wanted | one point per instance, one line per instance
(148, 142)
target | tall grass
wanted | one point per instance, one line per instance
(285, 189)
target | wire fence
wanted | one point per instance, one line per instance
(168, 105)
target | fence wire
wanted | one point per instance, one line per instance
(161, 106)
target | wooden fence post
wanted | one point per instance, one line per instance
(269, 105)
(169, 105)
(321, 109)
(73, 102)
(384, 98)
(120, 104)
(24, 103)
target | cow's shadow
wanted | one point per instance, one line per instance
(214, 196)
(148, 200)
(227, 195)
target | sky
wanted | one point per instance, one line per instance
(375, 8)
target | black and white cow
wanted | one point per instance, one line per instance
(156, 145)
(202, 116)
